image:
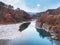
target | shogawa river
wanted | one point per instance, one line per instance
(10, 35)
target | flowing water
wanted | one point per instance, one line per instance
(10, 35)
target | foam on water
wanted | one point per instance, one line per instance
(9, 31)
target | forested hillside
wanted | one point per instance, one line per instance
(10, 15)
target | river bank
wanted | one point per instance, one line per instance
(54, 31)
(9, 23)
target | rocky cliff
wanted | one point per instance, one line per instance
(51, 24)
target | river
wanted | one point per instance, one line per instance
(10, 35)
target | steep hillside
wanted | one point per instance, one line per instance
(48, 12)
(50, 23)
(10, 15)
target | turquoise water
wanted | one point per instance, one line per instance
(33, 36)
(29, 36)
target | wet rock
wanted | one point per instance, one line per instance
(24, 26)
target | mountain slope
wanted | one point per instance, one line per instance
(8, 14)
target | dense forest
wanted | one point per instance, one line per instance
(10, 15)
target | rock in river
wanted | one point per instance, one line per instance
(24, 26)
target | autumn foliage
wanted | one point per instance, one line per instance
(52, 20)
(10, 15)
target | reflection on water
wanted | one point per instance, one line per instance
(30, 36)
(42, 33)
